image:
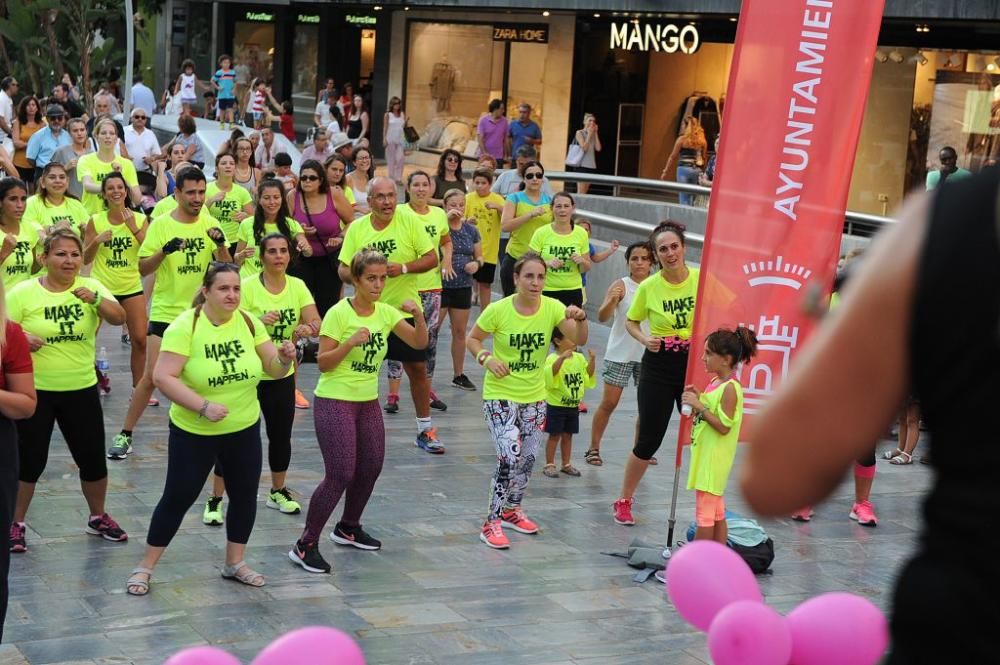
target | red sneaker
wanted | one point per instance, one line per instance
(864, 514)
(623, 512)
(492, 535)
(803, 515)
(517, 520)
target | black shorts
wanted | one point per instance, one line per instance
(401, 351)
(226, 104)
(122, 299)
(26, 173)
(569, 297)
(561, 419)
(458, 298)
(486, 273)
(156, 329)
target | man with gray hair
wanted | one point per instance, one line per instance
(509, 181)
(320, 148)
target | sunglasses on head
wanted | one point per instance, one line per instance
(308, 178)
(533, 176)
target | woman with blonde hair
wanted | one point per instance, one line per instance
(689, 150)
(91, 169)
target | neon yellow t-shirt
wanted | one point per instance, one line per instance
(91, 165)
(551, 245)
(566, 388)
(521, 236)
(435, 225)
(179, 276)
(163, 207)
(349, 195)
(487, 221)
(256, 299)
(712, 453)
(222, 366)
(669, 307)
(355, 378)
(46, 215)
(520, 341)
(17, 267)
(116, 264)
(67, 325)
(224, 210)
(402, 241)
(252, 266)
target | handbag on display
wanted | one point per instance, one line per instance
(574, 156)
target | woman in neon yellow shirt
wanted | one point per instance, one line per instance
(349, 429)
(514, 387)
(211, 359)
(111, 242)
(523, 213)
(51, 207)
(227, 202)
(91, 169)
(718, 414)
(20, 239)
(60, 313)
(286, 308)
(667, 300)
(565, 248)
(271, 216)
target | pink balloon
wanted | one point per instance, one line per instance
(202, 656)
(703, 577)
(316, 645)
(749, 633)
(838, 629)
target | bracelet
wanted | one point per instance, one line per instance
(204, 408)
(281, 362)
(97, 299)
(483, 356)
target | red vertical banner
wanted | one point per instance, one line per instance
(797, 93)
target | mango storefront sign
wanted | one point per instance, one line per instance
(659, 37)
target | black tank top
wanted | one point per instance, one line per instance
(946, 608)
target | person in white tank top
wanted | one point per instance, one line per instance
(623, 355)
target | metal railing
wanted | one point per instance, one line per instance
(863, 220)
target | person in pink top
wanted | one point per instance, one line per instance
(491, 132)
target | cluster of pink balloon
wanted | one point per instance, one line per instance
(315, 645)
(714, 590)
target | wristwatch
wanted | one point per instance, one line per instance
(403, 268)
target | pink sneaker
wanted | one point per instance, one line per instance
(623, 512)
(803, 515)
(517, 520)
(492, 535)
(864, 514)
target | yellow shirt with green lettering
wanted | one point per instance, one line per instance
(402, 241)
(521, 236)
(222, 366)
(258, 301)
(566, 387)
(435, 225)
(46, 215)
(355, 378)
(224, 210)
(552, 245)
(487, 221)
(91, 165)
(17, 267)
(521, 342)
(669, 307)
(116, 264)
(179, 276)
(252, 266)
(66, 324)
(712, 452)
(164, 206)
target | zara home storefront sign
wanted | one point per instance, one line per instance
(659, 37)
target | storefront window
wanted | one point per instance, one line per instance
(305, 57)
(253, 44)
(527, 67)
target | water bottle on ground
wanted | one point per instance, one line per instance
(103, 368)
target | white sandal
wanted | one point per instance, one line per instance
(250, 577)
(892, 454)
(134, 581)
(902, 459)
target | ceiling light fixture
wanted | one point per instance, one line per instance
(545, 13)
(597, 15)
(918, 58)
(881, 56)
(896, 56)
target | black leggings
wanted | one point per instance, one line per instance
(277, 405)
(8, 498)
(661, 382)
(320, 275)
(507, 274)
(189, 459)
(81, 421)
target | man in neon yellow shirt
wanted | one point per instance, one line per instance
(399, 236)
(178, 248)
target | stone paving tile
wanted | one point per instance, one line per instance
(434, 595)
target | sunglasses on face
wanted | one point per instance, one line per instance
(138, 117)
(309, 178)
(533, 176)
(451, 159)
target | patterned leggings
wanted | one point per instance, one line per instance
(351, 436)
(516, 430)
(431, 303)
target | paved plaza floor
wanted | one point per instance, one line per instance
(434, 594)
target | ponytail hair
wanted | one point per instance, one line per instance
(364, 258)
(739, 344)
(215, 268)
(667, 225)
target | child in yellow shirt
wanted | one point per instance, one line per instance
(567, 374)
